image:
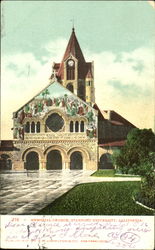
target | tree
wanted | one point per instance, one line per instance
(138, 157)
(140, 143)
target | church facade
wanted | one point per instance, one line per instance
(62, 127)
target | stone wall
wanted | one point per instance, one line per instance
(88, 149)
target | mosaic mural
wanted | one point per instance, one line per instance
(55, 96)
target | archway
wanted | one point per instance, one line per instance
(105, 161)
(5, 162)
(54, 160)
(76, 160)
(32, 161)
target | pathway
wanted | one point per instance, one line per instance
(27, 193)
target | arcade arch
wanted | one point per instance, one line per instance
(32, 158)
(105, 161)
(78, 157)
(5, 162)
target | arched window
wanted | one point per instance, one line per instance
(71, 126)
(76, 126)
(27, 127)
(70, 70)
(38, 127)
(82, 126)
(70, 87)
(32, 127)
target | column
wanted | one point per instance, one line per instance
(42, 165)
(35, 130)
(66, 165)
(84, 166)
(18, 165)
(75, 91)
(73, 126)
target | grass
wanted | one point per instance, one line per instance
(104, 198)
(104, 173)
(109, 173)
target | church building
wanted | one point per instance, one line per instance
(62, 127)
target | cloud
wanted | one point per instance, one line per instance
(123, 82)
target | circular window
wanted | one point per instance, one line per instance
(55, 122)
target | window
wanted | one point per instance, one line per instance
(76, 126)
(55, 122)
(71, 126)
(70, 70)
(32, 127)
(88, 83)
(38, 127)
(82, 126)
(27, 127)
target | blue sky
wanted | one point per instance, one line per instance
(117, 35)
(101, 25)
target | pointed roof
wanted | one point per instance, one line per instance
(89, 74)
(73, 48)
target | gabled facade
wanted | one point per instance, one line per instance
(62, 127)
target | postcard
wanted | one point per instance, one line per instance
(77, 151)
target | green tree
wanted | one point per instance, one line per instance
(140, 143)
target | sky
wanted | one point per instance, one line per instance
(117, 35)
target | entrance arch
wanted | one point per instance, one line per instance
(54, 160)
(105, 162)
(32, 161)
(5, 162)
(76, 160)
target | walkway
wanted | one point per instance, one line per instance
(27, 193)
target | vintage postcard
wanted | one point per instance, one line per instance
(77, 149)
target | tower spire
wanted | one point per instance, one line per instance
(72, 20)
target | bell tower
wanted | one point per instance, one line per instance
(74, 72)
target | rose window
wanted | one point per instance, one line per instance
(55, 122)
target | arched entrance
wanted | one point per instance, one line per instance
(106, 162)
(76, 160)
(54, 160)
(5, 162)
(32, 161)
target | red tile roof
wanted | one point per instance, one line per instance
(89, 73)
(6, 143)
(117, 119)
(113, 144)
(56, 66)
(100, 115)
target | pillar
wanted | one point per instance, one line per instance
(42, 165)
(66, 165)
(84, 165)
(18, 165)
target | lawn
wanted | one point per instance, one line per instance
(104, 198)
(109, 173)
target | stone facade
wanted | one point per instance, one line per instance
(62, 127)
